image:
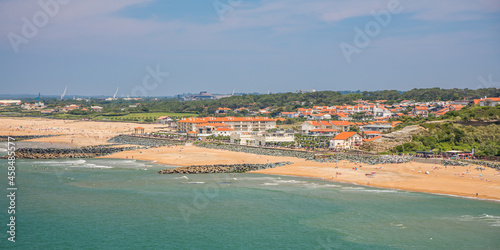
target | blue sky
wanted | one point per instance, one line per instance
(257, 46)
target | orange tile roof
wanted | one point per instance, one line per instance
(372, 139)
(344, 135)
(224, 129)
(314, 123)
(340, 123)
(213, 125)
(226, 119)
(325, 130)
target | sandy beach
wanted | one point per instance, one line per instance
(74, 133)
(460, 181)
(419, 177)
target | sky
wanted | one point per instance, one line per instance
(164, 48)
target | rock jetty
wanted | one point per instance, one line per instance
(212, 169)
(144, 141)
(357, 158)
(23, 137)
(56, 153)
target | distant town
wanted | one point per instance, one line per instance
(298, 124)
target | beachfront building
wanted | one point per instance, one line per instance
(239, 124)
(422, 111)
(166, 120)
(223, 131)
(380, 127)
(308, 126)
(492, 101)
(346, 140)
(262, 138)
(371, 134)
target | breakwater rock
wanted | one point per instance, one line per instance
(454, 163)
(485, 163)
(144, 141)
(367, 159)
(23, 137)
(56, 153)
(221, 168)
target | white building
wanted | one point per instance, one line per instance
(346, 140)
(261, 139)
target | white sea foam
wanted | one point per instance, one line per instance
(257, 178)
(3, 150)
(65, 162)
(316, 185)
(270, 184)
(352, 188)
(493, 220)
(379, 191)
(194, 182)
(290, 181)
(90, 165)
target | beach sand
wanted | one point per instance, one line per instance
(461, 181)
(75, 133)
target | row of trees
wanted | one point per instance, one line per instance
(286, 101)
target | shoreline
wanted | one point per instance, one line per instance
(412, 176)
(450, 180)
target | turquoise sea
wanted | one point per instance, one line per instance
(105, 203)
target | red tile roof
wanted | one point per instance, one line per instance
(344, 135)
(226, 119)
(372, 139)
(224, 129)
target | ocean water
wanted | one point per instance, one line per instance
(123, 204)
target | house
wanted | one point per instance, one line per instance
(344, 117)
(306, 127)
(166, 120)
(223, 131)
(321, 116)
(492, 102)
(380, 127)
(262, 138)
(289, 114)
(371, 134)
(372, 139)
(346, 140)
(239, 124)
(421, 111)
(96, 108)
(324, 132)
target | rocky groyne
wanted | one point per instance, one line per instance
(366, 159)
(56, 153)
(23, 137)
(221, 168)
(144, 141)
